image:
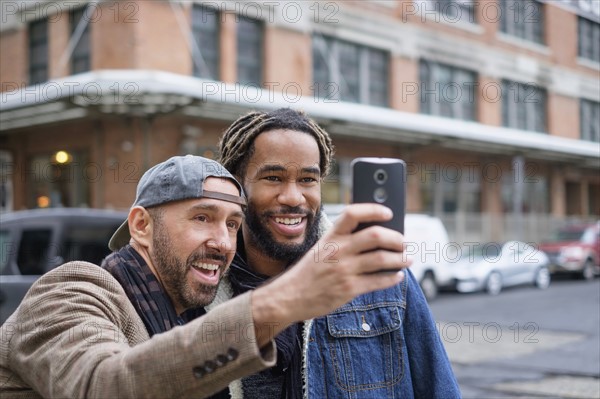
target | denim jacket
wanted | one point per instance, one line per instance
(380, 345)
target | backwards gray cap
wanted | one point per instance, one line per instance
(177, 178)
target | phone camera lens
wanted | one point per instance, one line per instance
(380, 176)
(380, 195)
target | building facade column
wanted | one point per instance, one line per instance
(557, 190)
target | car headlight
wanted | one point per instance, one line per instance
(572, 252)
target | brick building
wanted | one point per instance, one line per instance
(493, 104)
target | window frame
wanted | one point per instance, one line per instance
(81, 54)
(431, 73)
(515, 20)
(255, 62)
(199, 29)
(68, 185)
(585, 43)
(536, 196)
(38, 44)
(330, 72)
(589, 120)
(523, 113)
(444, 193)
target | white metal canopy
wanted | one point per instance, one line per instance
(145, 92)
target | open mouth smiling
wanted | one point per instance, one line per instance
(288, 221)
(289, 226)
(207, 268)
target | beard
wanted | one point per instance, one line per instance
(264, 241)
(173, 272)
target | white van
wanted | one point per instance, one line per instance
(428, 246)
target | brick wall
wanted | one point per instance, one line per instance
(563, 116)
(14, 61)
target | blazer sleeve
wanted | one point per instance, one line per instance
(74, 335)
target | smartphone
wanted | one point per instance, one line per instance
(382, 181)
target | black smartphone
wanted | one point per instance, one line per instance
(382, 181)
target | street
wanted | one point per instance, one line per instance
(525, 341)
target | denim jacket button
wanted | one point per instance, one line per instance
(366, 327)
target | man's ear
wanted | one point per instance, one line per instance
(140, 226)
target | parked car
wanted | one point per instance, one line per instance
(427, 243)
(35, 241)
(575, 249)
(491, 267)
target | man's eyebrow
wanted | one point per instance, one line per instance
(214, 208)
(271, 168)
(312, 169)
(238, 214)
(280, 168)
(210, 207)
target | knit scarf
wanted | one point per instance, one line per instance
(147, 295)
(288, 342)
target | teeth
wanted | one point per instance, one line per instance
(207, 266)
(288, 221)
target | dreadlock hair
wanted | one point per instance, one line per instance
(237, 143)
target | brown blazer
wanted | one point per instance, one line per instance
(76, 335)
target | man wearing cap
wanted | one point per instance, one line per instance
(136, 326)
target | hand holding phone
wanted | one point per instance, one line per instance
(382, 181)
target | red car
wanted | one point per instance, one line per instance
(576, 250)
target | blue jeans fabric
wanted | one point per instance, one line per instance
(380, 345)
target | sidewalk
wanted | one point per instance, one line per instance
(491, 360)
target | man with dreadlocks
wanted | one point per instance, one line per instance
(380, 345)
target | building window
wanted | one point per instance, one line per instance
(470, 191)
(38, 51)
(534, 192)
(378, 77)
(447, 91)
(588, 39)
(80, 58)
(590, 120)
(448, 188)
(523, 106)
(350, 72)
(56, 181)
(205, 28)
(523, 19)
(536, 198)
(249, 51)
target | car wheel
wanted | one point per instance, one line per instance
(429, 287)
(493, 285)
(542, 278)
(588, 270)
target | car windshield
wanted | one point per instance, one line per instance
(5, 249)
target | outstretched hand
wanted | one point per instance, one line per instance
(342, 265)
